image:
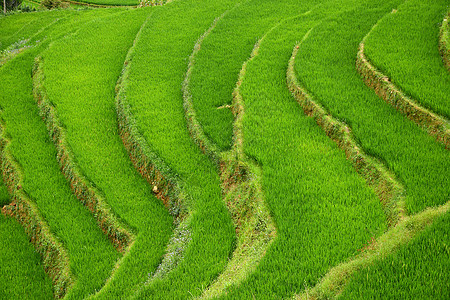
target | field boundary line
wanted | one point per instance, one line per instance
(81, 186)
(334, 282)
(166, 185)
(54, 256)
(241, 179)
(377, 176)
(436, 125)
(98, 5)
(444, 41)
(22, 45)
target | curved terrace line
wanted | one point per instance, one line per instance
(377, 176)
(54, 255)
(241, 180)
(99, 5)
(21, 46)
(402, 228)
(334, 282)
(436, 125)
(166, 186)
(444, 41)
(81, 186)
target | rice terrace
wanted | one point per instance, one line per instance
(231, 149)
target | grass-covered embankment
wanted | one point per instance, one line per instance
(90, 254)
(404, 158)
(444, 40)
(417, 270)
(22, 272)
(299, 163)
(412, 155)
(404, 46)
(83, 94)
(241, 183)
(399, 59)
(154, 95)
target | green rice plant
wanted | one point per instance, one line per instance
(435, 124)
(166, 185)
(419, 269)
(91, 255)
(22, 208)
(19, 27)
(153, 94)
(231, 43)
(395, 261)
(85, 106)
(299, 162)
(105, 3)
(22, 273)
(405, 47)
(444, 41)
(406, 150)
(314, 77)
(241, 183)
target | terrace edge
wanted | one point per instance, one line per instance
(386, 187)
(121, 237)
(54, 255)
(436, 125)
(241, 183)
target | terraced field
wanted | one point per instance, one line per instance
(226, 149)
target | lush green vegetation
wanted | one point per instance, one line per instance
(158, 110)
(22, 272)
(161, 152)
(406, 274)
(417, 160)
(84, 99)
(91, 254)
(406, 33)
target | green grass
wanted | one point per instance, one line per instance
(325, 214)
(22, 273)
(23, 26)
(405, 47)
(221, 58)
(154, 93)
(91, 254)
(417, 160)
(306, 178)
(407, 275)
(84, 96)
(111, 2)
